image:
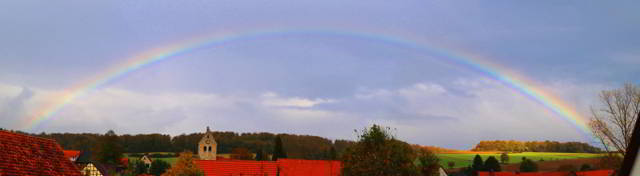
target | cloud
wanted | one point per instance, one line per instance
(272, 99)
(12, 106)
(455, 114)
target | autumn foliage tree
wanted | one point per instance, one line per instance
(185, 166)
(429, 162)
(378, 153)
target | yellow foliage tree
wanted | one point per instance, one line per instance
(185, 166)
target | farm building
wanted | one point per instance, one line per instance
(28, 155)
(71, 154)
(146, 160)
(89, 167)
(212, 165)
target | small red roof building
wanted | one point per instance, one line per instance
(71, 154)
(28, 155)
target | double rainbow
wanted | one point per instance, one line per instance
(510, 79)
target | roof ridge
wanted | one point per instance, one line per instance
(26, 135)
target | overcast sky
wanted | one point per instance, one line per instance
(316, 84)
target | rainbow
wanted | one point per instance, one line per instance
(510, 79)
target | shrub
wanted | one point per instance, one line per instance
(585, 167)
(528, 165)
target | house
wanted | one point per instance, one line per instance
(442, 172)
(71, 154)
(146, 160)
(207, 147)
(89, 167)
(91, 170)
(28, 155)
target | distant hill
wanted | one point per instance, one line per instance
(536, 146)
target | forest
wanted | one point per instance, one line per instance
(296, 146)
(535, 146)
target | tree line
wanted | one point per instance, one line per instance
(296, 146)
(536, 146)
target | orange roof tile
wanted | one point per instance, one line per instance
(28, 155)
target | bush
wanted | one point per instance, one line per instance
(158, 167)
(585, 167)
(528, 165)
(610, 161)
(451, 164)
(504, 158)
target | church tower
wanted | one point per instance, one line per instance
(207, 148)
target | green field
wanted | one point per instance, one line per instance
(170, 160)
(465, 159)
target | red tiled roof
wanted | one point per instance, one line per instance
(237, 167)
(71, 153)
(309, 167)
(28, 155)
(497, 174)
(124, 161)
(584, 173)
(595, 173)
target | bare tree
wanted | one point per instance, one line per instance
(612, 123)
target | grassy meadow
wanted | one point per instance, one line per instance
(466, 159)
(461, 159)
(170, 160)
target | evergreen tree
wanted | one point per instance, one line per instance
(332, 153)
(478, 164)
(492, 164)
(278, 149)
(259, 155)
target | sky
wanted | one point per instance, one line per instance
(317, 83)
